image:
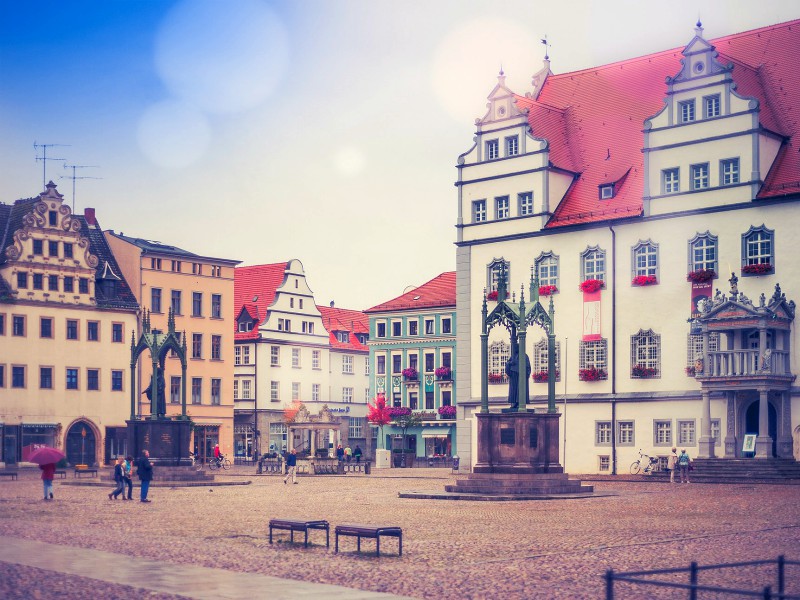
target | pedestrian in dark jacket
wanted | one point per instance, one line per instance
(357, 453)
(127, 467)
(119, 479)
(145, 473)
(291, 466)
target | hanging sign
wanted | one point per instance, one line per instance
(591, 316)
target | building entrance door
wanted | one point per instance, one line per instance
(751, 423)
(81, 444)
(10, 438)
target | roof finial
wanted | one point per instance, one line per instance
(698, 30)
(546, 46)
(501, 70)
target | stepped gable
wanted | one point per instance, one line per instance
(254, 288)
(593, 119)
(343, 319)
(436, 293)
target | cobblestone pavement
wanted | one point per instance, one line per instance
(451, 549)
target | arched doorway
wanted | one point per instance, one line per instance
(81, 444)
(751, 423)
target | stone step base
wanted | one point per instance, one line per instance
(548, 483)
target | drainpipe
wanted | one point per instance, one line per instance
(255, 401)
(613, 353)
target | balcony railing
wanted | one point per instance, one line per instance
(742, 363)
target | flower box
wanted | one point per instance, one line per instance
(592, 374)
(541, 376)
(547, 290)
(701, 275)
(493, 295)
(399, 411)
(447, 412)
(497, 378)
(410, 374)
(642, 372)
(642, 280)
(759, 269)
(443, 373)
(592, 285)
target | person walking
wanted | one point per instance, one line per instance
(672, 464)
(119, 479)
(348, 453)
(357, 453)
(127, 467)
(339, 453)
(145, 472)
(683, 462)
(48, 473)
(291, 466)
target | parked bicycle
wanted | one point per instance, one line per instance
(218, 463)
(644, 464)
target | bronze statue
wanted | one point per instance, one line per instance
(512, 370)
(158, 408)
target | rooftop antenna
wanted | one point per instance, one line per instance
(44, 158)
(74, 177)
(547, 45)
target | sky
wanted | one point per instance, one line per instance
(322, 130)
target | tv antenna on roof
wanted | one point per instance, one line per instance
(44, 158)
(74, 177)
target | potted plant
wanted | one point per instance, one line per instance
(592, 374)
(642, 280)
(701, 275)
(443, 373)
(643, 372)
(410, 374)
(447, 412)
(547, 290)
(592, 285)
(758, 269)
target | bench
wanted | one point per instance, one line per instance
(304, 526)
(92, 472)
(12, 474)
(369, 531)
(62, 472)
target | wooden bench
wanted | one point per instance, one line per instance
(62, 472)
(92, 472)
(369, 531)
(304, 526)
(12, 474)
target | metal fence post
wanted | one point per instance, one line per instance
(767, 593)
(610, 584)
(781, 580)
(693, 581)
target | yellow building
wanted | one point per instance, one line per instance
(66, 318)
(199, 289)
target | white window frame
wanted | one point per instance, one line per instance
(602, 433)
(729, 171)
(547, 268)
(479, 211)
(492, 149)
(502, 207)
(699, 176)
(687, 432)
(594, 355)
(512, 145)
(493, 273)
(315, 359)
(274, 391)
(645, 259)
(671, 180)
(246, 389)
(686, 111)
(646, 351)
(758, 246)
(315, 389)
(347, 364)
(347, 395)
(703, 252)
(626, 433)
(712, 106)
(295, 358)
(593, 264)
(540, 359)
(525, 202)
(662, 432)
(295, 391)
(274, 356)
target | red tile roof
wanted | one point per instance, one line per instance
(593, 119)
(254, 289)
(438, 292)
(343, 319)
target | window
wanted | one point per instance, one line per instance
(274, 391)
(645, 355)
(72, 329)
(593, 264)
(429, 401)
(429, 327)
(197, 269)
(315, 359)
(540, 363)
(512, 145)
(46, 327)
(197, 345)
(492, 149)
(525, 200)
(703, 253)
(72, 379)
(116, 381)
(380, 368)
(216, 388)
(478, 211)
(176, 266)
(593, 360)
(278, 436)
(347, 363)
(46, 378)
(645, 259)
(413, 327)
(380, 329)
(547, 269)
(197, 304)
(447, 398)
(83, 285)
(447, 324)
(18, 325)
(711, 107)
(699, 176)
(716, 431)
(295, 390)
(499, 353)
(355, 427)
(2, 324)
(315, 392)
(176, 302)
(625, 432)
(757, 248)
(413, 361)
(429, 362)
(662, 433)
(92, 331)
(347, 395)
(446, 359)
(216, 271)
(295, 358)
(397, 328)
(397, 363)
(670, 181)
(38, 247)
(216, 306)
(155, 300)
(67, 250)
(237, 355)
(274, 356)
(686, 111)
(52, 283)
(604, 463)
(686, 433)
(216, 347)
(602, 433)
(116, 332)
(501, 207)
(155, 264)
(69, 284)
(92, 379)
(235, 389)
(413, 400)
(52, 249)
(291, 302)
(606, 191)
(366, 366)
(38, 281)
(197, 390)
(22, 281)
(729, 171)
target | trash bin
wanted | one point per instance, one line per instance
(456, 462)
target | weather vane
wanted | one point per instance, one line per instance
(546, 46)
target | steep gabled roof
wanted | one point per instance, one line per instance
(593, 119)
(255, 287)
(343, 319)
(439, 292)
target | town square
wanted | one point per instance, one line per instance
(431, 300)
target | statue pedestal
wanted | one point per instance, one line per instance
(166, 440)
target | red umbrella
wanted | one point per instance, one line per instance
(45, 456)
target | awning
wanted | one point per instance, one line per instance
(444, 432)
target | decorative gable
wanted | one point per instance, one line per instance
(700, 60)
(501, 105)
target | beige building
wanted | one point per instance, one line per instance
(66, 320)
(199, 290)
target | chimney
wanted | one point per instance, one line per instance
(332, 303)
(88, 214)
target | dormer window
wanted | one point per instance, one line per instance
(686, 111)
(711, 106)
(606, 191)
(492, 150)
(245, 326)
(343, 337)
(512, 145)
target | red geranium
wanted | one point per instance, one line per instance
(592, 285)
(643, 372)
(547, 290)
(644, 280)
(759, 269)
(701, 275)
(592, 374)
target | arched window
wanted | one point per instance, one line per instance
(493, 270)
(593, 264)
(540, 365)
(758, 251)
(499, 353)
(703, 253)
(645, 259)
(547, 269)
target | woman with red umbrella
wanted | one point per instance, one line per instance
(46, 458)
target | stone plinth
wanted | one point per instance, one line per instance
(166, 440)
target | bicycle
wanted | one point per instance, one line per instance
(649, 466)
(218, 463)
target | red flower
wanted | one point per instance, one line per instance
(701, 275)
(542, 376)
(643, 372)
(492, 295)
(496, 378)
(592, 285)
(644, 280)
(547, 290)
(592, 374)
(759, 269)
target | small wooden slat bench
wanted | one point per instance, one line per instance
(93, 472)
(304, 526)
(371, 532)
(62, 472)
(12, 474)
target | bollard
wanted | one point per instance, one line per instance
(610, 584)
(366, 467)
